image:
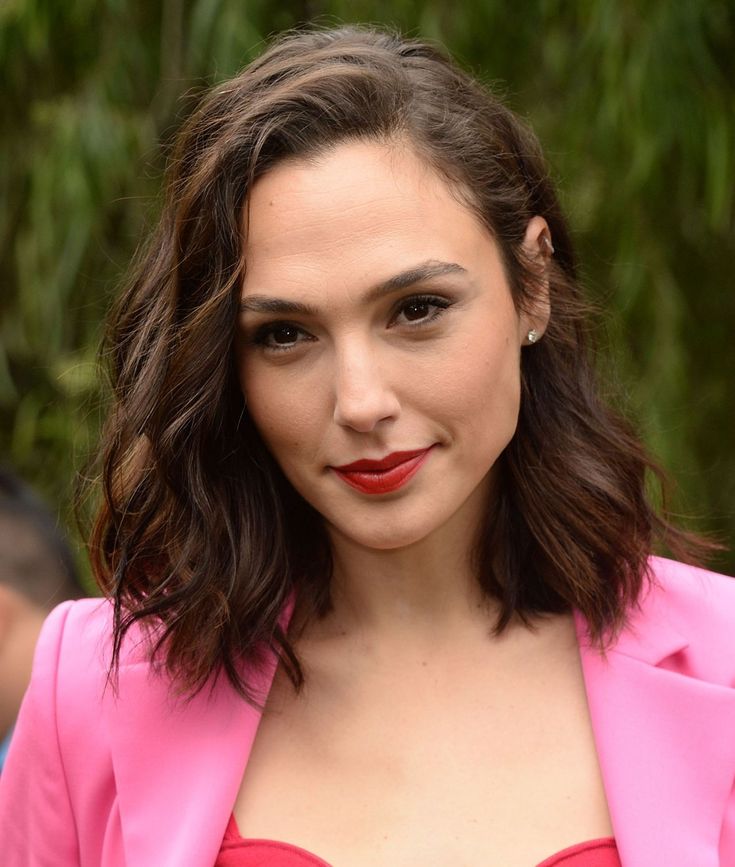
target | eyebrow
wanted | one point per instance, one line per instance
(427, 270)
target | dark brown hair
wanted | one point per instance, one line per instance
(199, 535)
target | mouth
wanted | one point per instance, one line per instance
(384, 475)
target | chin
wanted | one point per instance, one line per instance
(386, 536)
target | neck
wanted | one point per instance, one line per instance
(421, 594)
(423, 588)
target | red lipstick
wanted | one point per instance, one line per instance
(383, 476)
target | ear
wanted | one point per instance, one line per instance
(538, 247)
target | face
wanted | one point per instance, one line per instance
(377, 322)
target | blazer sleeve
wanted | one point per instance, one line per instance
(37, 827)
(727, 836)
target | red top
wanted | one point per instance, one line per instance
(239, 852)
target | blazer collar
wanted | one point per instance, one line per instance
(664, 741)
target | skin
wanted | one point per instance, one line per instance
(361, 379)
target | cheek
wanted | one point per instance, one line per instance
(482, 395)
(286, 417)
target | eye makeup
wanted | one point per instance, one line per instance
(284, 336)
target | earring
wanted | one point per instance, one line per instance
(532, 335)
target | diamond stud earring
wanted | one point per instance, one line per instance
(532, 335)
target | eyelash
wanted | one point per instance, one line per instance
(261, 336)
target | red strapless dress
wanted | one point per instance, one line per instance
(237, 851)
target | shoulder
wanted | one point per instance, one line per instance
(71, 703)
(79, 633)
(72, 635)
(699, 606)
(73, 624)
(700, 598)
(72, 661)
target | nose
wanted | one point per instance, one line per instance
(363, 395)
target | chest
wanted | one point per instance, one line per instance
(429, 764)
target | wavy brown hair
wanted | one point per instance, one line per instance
(199, 535)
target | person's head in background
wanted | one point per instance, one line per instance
(37, 572)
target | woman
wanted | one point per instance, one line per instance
(358, 476)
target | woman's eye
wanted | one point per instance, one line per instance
(421, 309)
(284, 334)
(416, 310)
(279, 336)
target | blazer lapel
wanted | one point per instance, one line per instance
(177, 765)
(665, 745)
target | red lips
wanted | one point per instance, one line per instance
(387, 474)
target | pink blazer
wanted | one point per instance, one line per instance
(143, 781)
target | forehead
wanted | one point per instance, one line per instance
(361, 210)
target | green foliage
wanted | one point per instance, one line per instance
(633, 102)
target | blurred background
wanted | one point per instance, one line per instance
(633, 101)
